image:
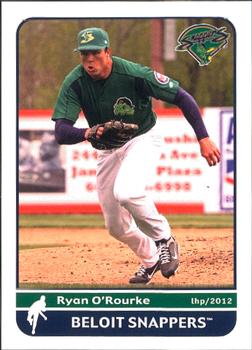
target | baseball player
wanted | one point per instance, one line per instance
(108, 88)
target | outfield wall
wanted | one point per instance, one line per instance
(61, 179)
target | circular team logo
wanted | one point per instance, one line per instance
(162, 79)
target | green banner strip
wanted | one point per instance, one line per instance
(126, 300)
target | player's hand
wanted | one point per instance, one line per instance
(98, 134)
(209, 151)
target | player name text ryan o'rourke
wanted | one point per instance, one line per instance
(103, 299)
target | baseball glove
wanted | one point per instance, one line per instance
(115, 134)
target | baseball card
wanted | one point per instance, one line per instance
(127, 175)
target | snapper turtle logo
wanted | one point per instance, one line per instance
(124, 107)
(203, 41)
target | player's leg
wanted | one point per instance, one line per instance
(138, 164)
(29, 318)
(35, 320)
(118, 220)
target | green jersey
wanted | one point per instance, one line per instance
(125, 95)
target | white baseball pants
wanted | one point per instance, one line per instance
(130, 213)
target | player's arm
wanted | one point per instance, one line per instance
(67, 134)
(41, 314)
(168, 90)
(191, 112)
(66, 112)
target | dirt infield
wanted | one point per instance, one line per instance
(91, 256)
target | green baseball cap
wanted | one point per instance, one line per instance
(92, 39)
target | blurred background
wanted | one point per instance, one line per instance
(184, 184)
(45, 56)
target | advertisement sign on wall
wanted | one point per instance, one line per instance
(227, 135)
(66, 175)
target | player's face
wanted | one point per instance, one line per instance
(97, 63)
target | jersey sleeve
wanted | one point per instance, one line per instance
(67, 105)
(159, 86)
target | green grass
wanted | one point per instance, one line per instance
(75, 220)
(67, 220)
(207, 220)
(37, 246)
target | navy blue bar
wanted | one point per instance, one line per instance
(130, 323)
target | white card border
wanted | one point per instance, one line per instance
(239, 13)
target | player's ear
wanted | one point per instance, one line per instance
(108, 51)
